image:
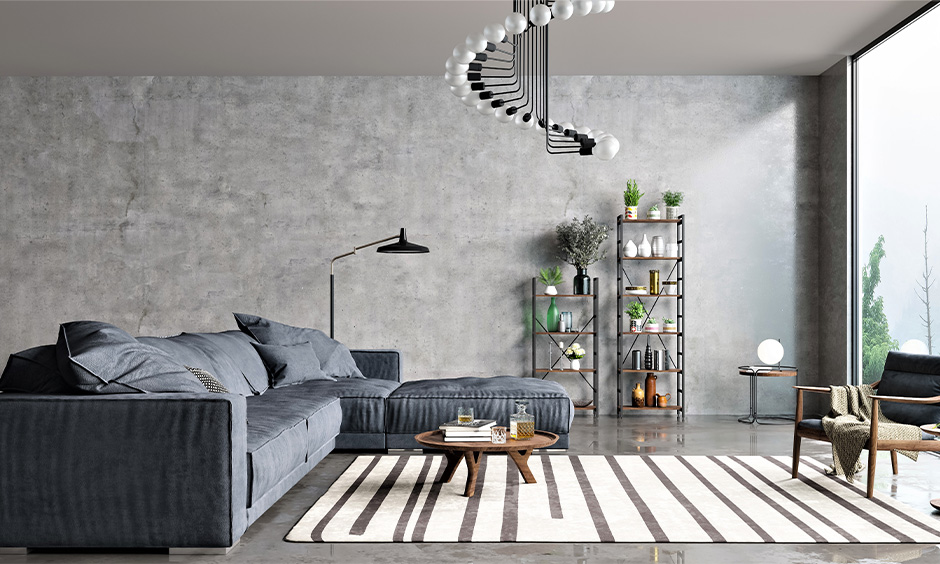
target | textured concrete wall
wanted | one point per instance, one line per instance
(834, 232)
(164, 204)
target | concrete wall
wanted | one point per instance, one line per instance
(835, 244)
(164, 204)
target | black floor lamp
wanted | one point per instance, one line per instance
(400, 247)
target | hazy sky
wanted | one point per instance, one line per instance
(899, 168)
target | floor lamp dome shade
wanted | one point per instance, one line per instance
(402, 246)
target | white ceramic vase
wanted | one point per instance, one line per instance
(658, 246)
(644, 249)
(672, 212)
(575, 364)
(672, 249)
(629, 250)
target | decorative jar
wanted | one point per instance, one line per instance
(521, 423)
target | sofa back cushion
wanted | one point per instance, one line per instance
(335, 359)
(910, 375)
(215, 353)
(100, 358)
(291, 364)
(34, 371)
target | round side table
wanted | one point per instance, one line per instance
(755, 372)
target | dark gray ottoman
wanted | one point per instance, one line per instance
(422, 405)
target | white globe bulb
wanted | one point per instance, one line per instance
(562, 9)
(770, 351)
(914, 347)
(485, 107)
(540, 14)
(461, 90)
(607, 148)
(471, 99)
(494, 33)
(515, 23)
(582, 7)
(566, 125)
(583, 130)
(455, 79)
(595, 133)
(502, 116)
(521, 123)
(454, 67)
(598, 6)
(609, 6)
(476, 42)
(464, 55)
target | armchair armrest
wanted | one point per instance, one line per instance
(902, 399)
(814, 389)
(379, 364)
(123, 470)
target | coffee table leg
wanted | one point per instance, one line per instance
(521, 458)
(473, 466)
(453, 461)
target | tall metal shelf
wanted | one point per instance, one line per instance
(588, 329)
(676, 365)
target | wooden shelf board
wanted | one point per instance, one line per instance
(564, 370)
(650, 258)
(584, 408)
(564, 332)
(628, 221)
(565, 296)
(631, 371)
(652, 333)
(652, 295)
(667, 408)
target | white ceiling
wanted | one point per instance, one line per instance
(414, 37)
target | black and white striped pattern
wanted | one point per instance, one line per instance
(740, 499)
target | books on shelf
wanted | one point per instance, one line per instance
(477, 431)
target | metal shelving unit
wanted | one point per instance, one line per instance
(589, 329)
(677, 361)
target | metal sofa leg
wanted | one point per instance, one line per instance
(223, 550)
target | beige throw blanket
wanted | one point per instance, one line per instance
(848, 426)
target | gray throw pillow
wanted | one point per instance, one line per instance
(290, 364)
(100, 358)
(34, 371)
(335, 358)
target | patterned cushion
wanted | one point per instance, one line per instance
(208, 380)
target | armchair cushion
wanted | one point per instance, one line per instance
(816, 425)
(910, 375)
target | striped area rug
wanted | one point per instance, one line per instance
(688, 499)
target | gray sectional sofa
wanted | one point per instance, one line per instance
(192, 470)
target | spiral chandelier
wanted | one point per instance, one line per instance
(503, 72)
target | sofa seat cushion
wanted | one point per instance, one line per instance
(422, 405)
(283, 430)
(362, 400)
(816, 425)
(229, 356)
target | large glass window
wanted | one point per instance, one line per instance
(898, 194)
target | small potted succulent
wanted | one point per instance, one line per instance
(652, 326)
(673, 200)
(653, 213)
(631, 200)
(637, 312)
(575, 353)
(550, 277)
(669, 325)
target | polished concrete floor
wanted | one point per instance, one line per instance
(647, 434)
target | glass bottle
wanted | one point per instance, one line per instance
(521, 423)
(551, 318)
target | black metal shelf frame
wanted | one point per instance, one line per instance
(594, 369)
(678, 360)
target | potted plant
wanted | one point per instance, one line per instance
(673, 200)
(651, 325)
(575, 353)
(550, 277)
(631, 200)
(653, 213)
(580, 243)
(669, 325)
(637, 312)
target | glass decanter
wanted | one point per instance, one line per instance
(521, 423)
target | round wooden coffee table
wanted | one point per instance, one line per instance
(519, 451)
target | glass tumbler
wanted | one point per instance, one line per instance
(498, 435)
(464, 415)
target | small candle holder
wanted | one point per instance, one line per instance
(498, 435)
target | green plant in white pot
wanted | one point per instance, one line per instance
(653, 213)
(637, 312)
(652, 326)
(673, 200)
(631, 200)
(550, 277)
(669, 325)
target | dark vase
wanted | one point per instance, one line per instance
(582, 282)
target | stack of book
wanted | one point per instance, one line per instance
(477, 430)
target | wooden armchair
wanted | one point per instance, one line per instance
(915, 375)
